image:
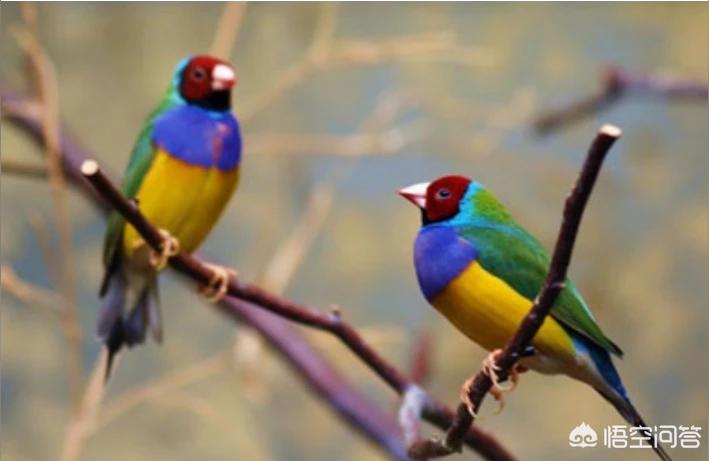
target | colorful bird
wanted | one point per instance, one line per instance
(482, 270)
(182, 172)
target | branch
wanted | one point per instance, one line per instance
(47, 93)
(299, 354)
(617, 84)
(553, 284)
(228, 29)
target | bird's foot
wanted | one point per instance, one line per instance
(498, 389)
(491, 369)
(218, 285)
(170, 247)
(465, 396)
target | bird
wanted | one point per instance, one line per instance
(482, 270)
(183, 170)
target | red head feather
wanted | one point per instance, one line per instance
(439, 199)
(207, 81)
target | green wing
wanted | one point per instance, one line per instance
(139, 164)
(526, 271)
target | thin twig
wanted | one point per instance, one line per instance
(83, 418)
(430, 46)
(23, 169)
(363, 144)
(290, 253)
(553, 284)
(228, 29)
(615, 85)
(46, 84)
(421, 357)
(123, 403)
(28, 293)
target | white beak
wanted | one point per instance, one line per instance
(416, 194)
(222, 77)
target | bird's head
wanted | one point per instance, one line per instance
(438, 200)
(205, 81)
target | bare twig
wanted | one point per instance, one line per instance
(28, 293)
(290, 253)
(228, 29)
(617, 84)
(83, 419)
(24, 169)
(553, 284)
(354, 145)
(323, 55)
(159, 386)
(46, 84)
(421, 357)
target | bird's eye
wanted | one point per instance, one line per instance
(199, 74)
(443, 193)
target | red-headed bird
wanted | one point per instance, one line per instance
(182, 172)
(482, 271)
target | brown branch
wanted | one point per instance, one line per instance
(617, 84)
(421, 357)
(299, 354)
(48, 96)
(553, 284)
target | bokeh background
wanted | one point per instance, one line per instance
(354, 101)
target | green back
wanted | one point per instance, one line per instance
(510, 253)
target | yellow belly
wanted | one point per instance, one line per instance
(488, 311)
(184, 199)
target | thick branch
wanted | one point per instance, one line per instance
(553, 284)
(363, 415)
(616, 84)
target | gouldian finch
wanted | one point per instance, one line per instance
(482, 271)
(182, 172)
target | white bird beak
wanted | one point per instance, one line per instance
(416, 194)
(223, 77)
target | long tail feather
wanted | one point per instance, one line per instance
(628, 411)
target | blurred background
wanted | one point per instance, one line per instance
(342, 104)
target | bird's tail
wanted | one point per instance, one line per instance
(610, 386)
(118, 326)
(628, 411)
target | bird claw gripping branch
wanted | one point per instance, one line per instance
(490, 368)
(218, 285)
(170, 247)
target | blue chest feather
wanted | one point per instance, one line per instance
(199, 137)
(440, 255)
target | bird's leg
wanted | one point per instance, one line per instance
(170, 247)
(465, 397)
(218, 285)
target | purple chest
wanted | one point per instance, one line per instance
(440, 255)
(199, 137)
